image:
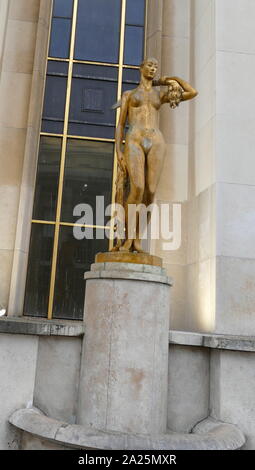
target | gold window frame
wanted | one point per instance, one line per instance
(65, 136)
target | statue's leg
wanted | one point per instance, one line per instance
(135, 160)
(155, 159)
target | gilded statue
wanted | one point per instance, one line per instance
(140, 163)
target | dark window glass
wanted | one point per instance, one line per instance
(46, 189)
(135, 12)
(131, 76)
(130, 79)
(60, 38)
(63, 8)
(39, 270)
(88, 174)
(54, 101)
(53, 127)
(74, 258)
(57, 68)
(98, 29)
(94, 91)
(91, 130)
(134, 39)
(96, 72)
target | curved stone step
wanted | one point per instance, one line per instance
(207, 435)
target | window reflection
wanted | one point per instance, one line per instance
(74, 258)
(63, 8)
(135, 12)
(60, 38)
(94, 91)
(58, 69)
(88, 174)
(98, 30)
(46, 191)
(130, 79)
(55, 97)
(134, 32)
(133, 51)
(39, 270)
(61, 28)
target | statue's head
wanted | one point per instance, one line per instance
(149, 68)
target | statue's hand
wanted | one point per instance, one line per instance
(121, 162)
(174, 103)
(174, 94)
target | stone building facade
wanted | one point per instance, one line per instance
(208, 169)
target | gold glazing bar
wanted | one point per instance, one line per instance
(81, 137)
(136, 67)
(58, 59)
(121, 51)
(69, 224)
(98, 139)
(46, 222)
(62, 164)
(91, 62)
(121, 61)
(48, 134)
(145, 29)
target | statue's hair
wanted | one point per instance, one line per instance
(148, 59)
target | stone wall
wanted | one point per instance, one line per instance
(40, 366)
(32, 125)
(209, 162)
(209, 375)
(17, 377)
(24, 31)
(18, 29)
(221, 214)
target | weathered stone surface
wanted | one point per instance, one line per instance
(233, 390)
(125, 357)
(129, 271)
(213, 341)
(57, 377)
(31, 442)
(35, 422)
(17, 376)
(32, 326)
(144, 268)
(208, 435)
(188, 386)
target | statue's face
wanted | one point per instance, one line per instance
(149, 69)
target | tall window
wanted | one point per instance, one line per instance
(95, 49)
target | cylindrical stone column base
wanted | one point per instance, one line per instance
(124, 370)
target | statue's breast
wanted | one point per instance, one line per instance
(142, 98)
(155, 99)
(136, 99)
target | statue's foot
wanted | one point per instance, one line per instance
(137, 246)
(114, 248)
(117, 246)
(126, 246)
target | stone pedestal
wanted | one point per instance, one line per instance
(124, 371)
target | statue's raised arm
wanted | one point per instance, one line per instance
(178, 90)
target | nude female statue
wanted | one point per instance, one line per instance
(144, 149)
